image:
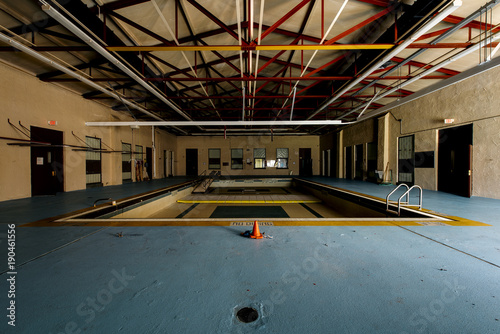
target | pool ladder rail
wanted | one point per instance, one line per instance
(405, 194)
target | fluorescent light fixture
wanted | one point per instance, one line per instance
(217, 123)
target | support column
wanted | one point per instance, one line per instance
(133, 163)
(154, 153)
(340, 153)
(383, 144)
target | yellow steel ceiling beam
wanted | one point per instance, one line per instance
(248, 48)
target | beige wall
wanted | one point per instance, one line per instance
(32, 102)
(472, 101)
(248, 143)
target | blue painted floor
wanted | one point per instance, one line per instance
(337, 279)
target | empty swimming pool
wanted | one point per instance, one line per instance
(274, 201)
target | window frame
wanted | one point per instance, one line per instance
(284, 159)
(264, 162)
(217, 159)
(126, 161)
(93, 161)
(233, 158)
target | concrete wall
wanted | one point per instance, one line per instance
(357, 135)
(328, 142)
(472, 101)
(32, 102)
(248, 143)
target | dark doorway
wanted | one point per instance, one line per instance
(305, 165)
(192, 162)
(171, 163)
(326, 163)
(406, 160)
(333, 158)
(333, 164)
(454, 160)
(126, 162)
(348, 162)
(371, 161)
(358, 162)
(149, 160)
(47, 169)
(165, 161)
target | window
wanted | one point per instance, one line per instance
(93, 162)
(214, 158)
(237, 158)
(138, 153)
(282, 158)
(259, 158)
(406, 159)
(126, 162)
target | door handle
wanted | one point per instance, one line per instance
(53, 173)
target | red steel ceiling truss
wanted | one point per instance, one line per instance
(265, 94)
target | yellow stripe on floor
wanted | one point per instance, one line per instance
(292, 222)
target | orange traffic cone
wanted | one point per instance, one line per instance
(256, 233)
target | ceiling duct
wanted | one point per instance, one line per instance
(422, 30)
(103, 52)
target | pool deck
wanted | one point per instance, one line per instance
(305, 279)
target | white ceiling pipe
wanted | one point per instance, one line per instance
(315, 52)
(442, 64)
(217, 123)
(243, 106)
(445, 35)
(373, 98)
(477, 70)
(429, 25)
(165, 22)
(35, 54)
(293, 102)
(106, 54)
(238, 18)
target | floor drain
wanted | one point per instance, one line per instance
(247, 314)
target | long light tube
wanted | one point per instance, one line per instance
(216, 123)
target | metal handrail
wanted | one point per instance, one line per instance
(392, 192)
(104, 199)
(204, 180)
(407, 194)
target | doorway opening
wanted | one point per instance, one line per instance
(47, 168)
(406, 160)
(305, 166)
(192, 162)
(348, 162)
(454, 160)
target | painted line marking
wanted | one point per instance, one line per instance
(311, 210)
(251, 223)
(188, 210)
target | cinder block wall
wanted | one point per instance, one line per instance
(472, 101)
(32, 102)
(248, 143)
